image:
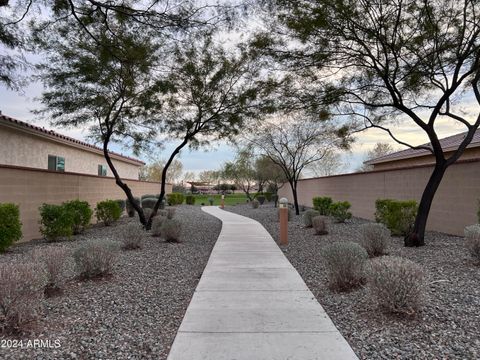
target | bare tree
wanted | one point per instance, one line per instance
(380, 149)
(331, 164)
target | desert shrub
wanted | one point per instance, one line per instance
(170, 213)
(58, 265)
(130, 208)
(190, 200)
(95, 258)
(22, 289)
(149, 203)
(81, 213)
(175, 199)
(55, 222)
(397, 216)
(132, 237)
(339, 211)
(322, 204)
(478, 212)
(171, 230)
(375, 238)
(319, 223)
(210, 201)
(345, 262)
(149, 196)
(255, 203)
(308, 216)
(261, 199)
(472, 237)
(157, 223)
(108, 211)
(122, 204)
(268, 196)
(396, 285)
(289, 212)
(10, 225)
(147, 212)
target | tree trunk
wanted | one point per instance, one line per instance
(295, 197)
(417, 236)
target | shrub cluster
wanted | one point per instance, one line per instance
(375, 238)
(255, 203)
(132, 236)
(175, 199)
(108, 211)
(397, 216)
(130, 208)
(122, 203)
(81, 213)
(55, 222)
(171, 230)
(339, 211)
(210, 201)
(10, 225)
(95, 258)
(58, 265)
(190, 200)
(149, 196)
(319, 224)
(345, 262)
(308, 216)
(268, 196)
(322, 204)
(149, 203)
(22, 289)
(157, 223)
(396, 285)
(472, 236)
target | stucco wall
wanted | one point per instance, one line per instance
(21, 148)
(455, 204)
(30, 188)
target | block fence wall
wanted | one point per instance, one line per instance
(454, 207)
(30, 188)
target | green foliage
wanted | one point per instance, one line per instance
(55, 222)
(190, 200)
(398, 216)
(261, 199)
(308, 216)
(322, 204)
(10, 225)
(149, 196)
(149, 203)
(210, 201)
(122, 203)
(130, 208)
(108, 211)
(81, 214)
(268, 196)
(175, 199)
(339, 211)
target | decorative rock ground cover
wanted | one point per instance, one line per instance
(136, 312)
(448, 325)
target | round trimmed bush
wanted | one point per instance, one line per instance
(255, 203)
(10, 225)
(55, 222)
(472, 236)
(132, 236)
(171, 230)
(108, 212)
(375, 238)
(96, 258)
(308, 216)
(81, 213)
(319, 223)
(149, 203)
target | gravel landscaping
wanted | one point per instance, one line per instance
(448, 325)
(135, 313)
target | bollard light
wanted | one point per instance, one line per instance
(222, 203)
(283, 221)
(283, 202)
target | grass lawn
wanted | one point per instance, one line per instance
(230, 199)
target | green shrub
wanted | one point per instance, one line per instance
(308, 216)
(147, 196)
(130, 209)
(261, 199)
(171, 230)
(339, 211)
(255, 203)
(149, 203)
(268, 196)
(319, 223)
(122, 204)
(10, 225)
(108, 211)
(55, 222)
(322, 204)
(397, 216)
(345, 262)
(96, 258)
(175, 199)
(81, 213)
(210, 201)
(190, 200)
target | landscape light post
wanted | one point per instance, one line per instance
(222, 202)
(283, 209)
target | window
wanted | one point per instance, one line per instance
(56, 163)
(102, 170)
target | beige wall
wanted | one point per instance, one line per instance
(454, 206)
(21, 148)
(30, 188)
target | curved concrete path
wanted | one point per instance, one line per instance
(251, 304)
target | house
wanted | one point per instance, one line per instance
(30, 146)
(411, 158)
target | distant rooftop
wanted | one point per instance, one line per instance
(448, 144)
(9, 120)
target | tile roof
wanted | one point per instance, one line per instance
(448, 144)
(8, 119)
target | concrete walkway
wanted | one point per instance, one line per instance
(251, 304)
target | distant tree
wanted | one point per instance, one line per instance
(269, 174)
(297, 141)
(378, 61)
(242, 171)
(210, 176)
(379, 150)
(153, 171)
(330, 164)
